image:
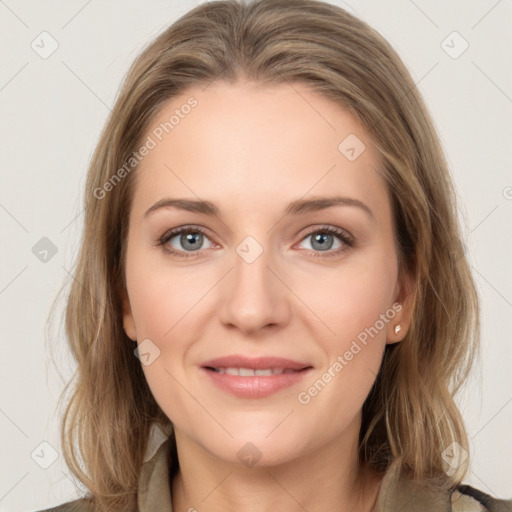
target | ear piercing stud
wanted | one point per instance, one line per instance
(398, 328)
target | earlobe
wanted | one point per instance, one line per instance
(399, 326)
(395, 331)
(128, 321)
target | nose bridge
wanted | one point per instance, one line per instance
(253, 297)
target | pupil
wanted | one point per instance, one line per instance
(190, 238)
(320, 238)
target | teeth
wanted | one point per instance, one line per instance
(250, 372)
(265, 373)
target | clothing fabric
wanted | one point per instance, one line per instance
(397, 493)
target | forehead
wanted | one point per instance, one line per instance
(248, 141)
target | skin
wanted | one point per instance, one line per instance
(251, 150)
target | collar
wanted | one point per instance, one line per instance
(154, 492)
(397, 492)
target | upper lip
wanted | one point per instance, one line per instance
(256, 363)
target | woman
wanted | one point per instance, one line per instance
(304, 355)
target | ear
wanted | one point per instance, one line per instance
(405, 295)
(128, 320)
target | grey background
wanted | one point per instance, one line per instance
(52, 111)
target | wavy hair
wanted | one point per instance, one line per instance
(410, 415)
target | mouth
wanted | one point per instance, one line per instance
(259, 377)
(251, 372)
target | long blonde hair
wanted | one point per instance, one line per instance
(410, 416)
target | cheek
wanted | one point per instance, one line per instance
(166, 305)
(162, 298)
(351, 299)
(163, 306)
(355, 305)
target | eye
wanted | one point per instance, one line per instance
(323, 239)
(184, 241)
(187, 241)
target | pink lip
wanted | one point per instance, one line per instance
(256, 363)
(258, 386)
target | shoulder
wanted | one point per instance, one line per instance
(80, 505)
(400, 491)
(468, 499)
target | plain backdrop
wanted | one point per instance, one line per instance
(52, 110)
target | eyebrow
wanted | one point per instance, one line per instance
(298, 207)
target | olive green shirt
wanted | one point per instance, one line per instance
(396, 494)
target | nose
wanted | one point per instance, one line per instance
(254, 296)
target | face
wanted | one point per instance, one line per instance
(266, 320)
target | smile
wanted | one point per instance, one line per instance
(249, 377)
(251, 372)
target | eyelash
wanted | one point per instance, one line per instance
(347, 240)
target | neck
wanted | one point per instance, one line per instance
(330, 478)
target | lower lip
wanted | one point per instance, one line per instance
(255, 387)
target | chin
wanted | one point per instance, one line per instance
(258, 452)
(255, 446)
